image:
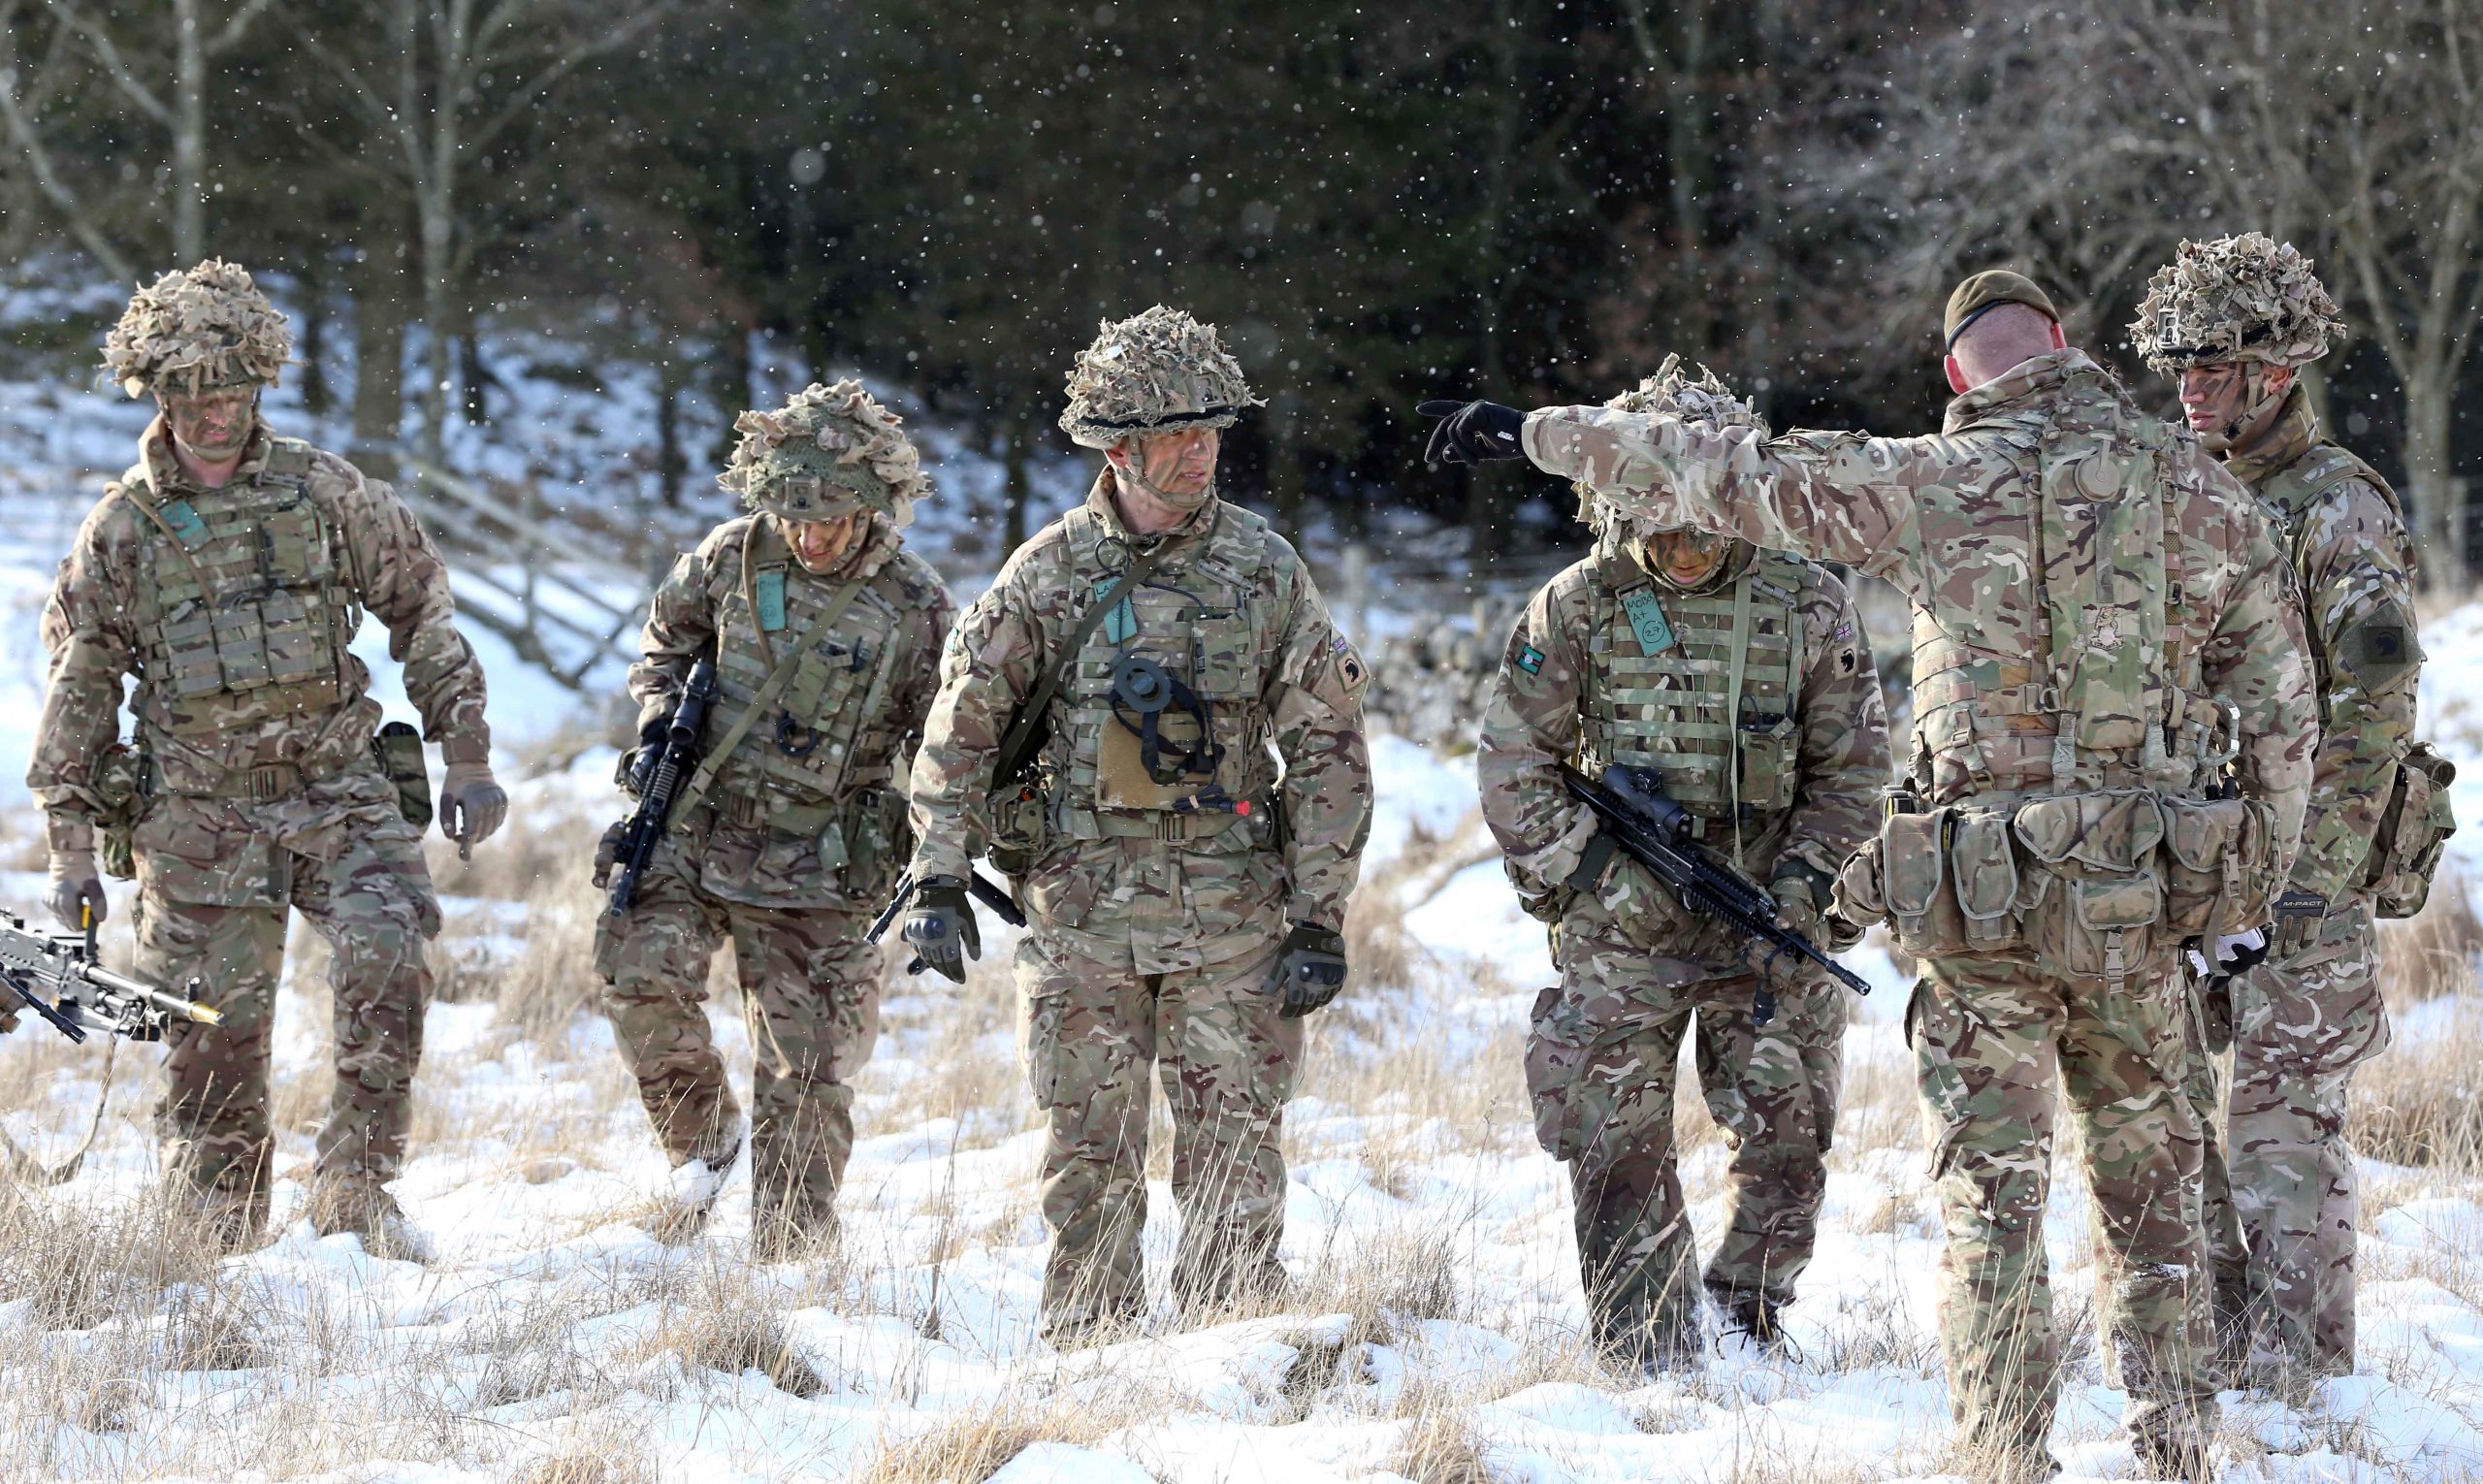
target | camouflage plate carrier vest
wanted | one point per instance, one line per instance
(819, 768)
(1207, 619)
(247, 604)
(2417, 820)
(2063, 759)
(1702, 687)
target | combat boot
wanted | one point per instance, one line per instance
(230, 1219)
(693, 1188)
(1760, 1320)
(360, 1204)
(2184, 1456)
(786, 1232)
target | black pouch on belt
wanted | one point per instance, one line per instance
(399, 750)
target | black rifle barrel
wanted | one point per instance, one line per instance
(663, 783)
(1650, 829)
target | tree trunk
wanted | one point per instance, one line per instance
(2442, 550)
(732, 384)
(1018, 488)
(474, 378)
(316, 393)
(1284, 464)
(189, 134)
(670, 466)
(1486, 504)
(438, 230)
(1686, 148)
(379, 359)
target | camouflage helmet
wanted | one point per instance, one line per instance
(1152, 372)
(198, 330)
(1672, 392)
(2244, 297)
(831, 451)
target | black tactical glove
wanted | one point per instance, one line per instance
(941, 926)
(1310, 968)
(2299, 915)
(1472, 433)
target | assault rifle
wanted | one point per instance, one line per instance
(1653, 830)
(985, 890)
(662, 783)
(56, 976)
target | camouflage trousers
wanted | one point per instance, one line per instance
(1601, 1066)
(1093, 1032)
(2280, 1207)
(810, 995)
(217, 914)
(1991, 1039)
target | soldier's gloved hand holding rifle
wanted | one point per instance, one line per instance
(941, 926)
(1310, 968)
(473, 806)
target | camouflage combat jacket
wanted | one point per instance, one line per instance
(1202, 870)
(808, 809)
(1593, 672)
(2354, 563)
(234, 610)
(2104, 624)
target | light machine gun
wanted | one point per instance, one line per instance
(1653, 830)
(58, 976)
(987, 892)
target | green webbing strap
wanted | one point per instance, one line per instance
(1733, 705)
(1021, 733)
(771, 688)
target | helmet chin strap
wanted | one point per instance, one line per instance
(1185, 503)
(2261, 401)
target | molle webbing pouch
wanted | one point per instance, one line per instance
(2219, 865)
(1710, 706)
(2413, 831)
(1914, 883)
(1159, 748)
(2099, 918)
(397, 749)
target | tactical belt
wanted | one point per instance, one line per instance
(1165, 824)
(260, 783)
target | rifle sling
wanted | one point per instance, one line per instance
(1021, 733)
(773, 687)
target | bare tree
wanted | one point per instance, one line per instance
(441, 85)
(2086, 143)
(29, 88)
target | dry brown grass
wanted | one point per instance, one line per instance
(1440, 1447)
(978, 1442)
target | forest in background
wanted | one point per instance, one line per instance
(1531, 200)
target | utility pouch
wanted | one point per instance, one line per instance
(2105, 902)
(1556, 1057)
(2217, 863)
(1913, 854)
(1984, 867)
(116, 782)
(1018, 829)
(1767, 759)
(397, 749)
(2413, 831)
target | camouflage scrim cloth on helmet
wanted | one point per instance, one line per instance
(1615, 662)
(788, 857)
(1153, 902)
(2247, 298)
(234, 610)
(196, 330)
(2200, 582)
(829, 451)
(1153, 372)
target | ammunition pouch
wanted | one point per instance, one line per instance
(1018, 827)
(397, 749)
(116, 783)
(2413, 831)
(2087, 885)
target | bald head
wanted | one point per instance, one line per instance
(1999, 338)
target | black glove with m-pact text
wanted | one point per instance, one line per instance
(1474, 433)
